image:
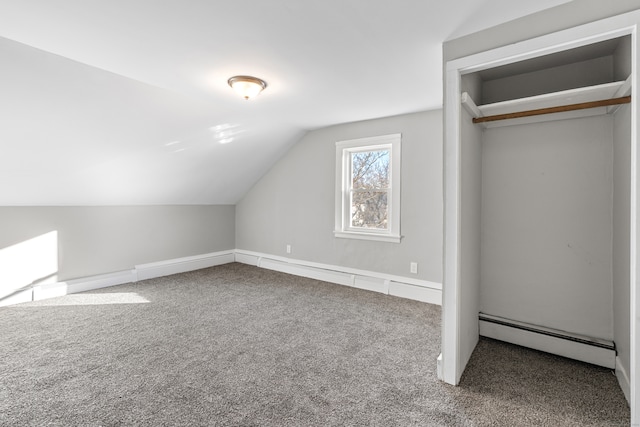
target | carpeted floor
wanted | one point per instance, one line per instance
(235, 345)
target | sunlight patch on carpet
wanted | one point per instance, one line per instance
(91, 299)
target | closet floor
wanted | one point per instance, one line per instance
(505, 384)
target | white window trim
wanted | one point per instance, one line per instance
(342, 204)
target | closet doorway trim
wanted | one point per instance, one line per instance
(452, 363)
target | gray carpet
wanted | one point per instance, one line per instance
(240, 346)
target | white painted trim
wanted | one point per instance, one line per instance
(370, 283)
(246, 258)
(310, 272)
(355, 271)
(450, 361)
(342, 226)
(554, 99)
(371, 141)
(387, 284)
(140, 272)
(414, 292)
(404, 287)
(625, 90)
(469, 104)
(634, 263)
(25, 295)
(90, 283)
(547, 330)
(367, 236)
(590, 33)
(608, 28)
(623, 379)
(550, 344)
(181, 265)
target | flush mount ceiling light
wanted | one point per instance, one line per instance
(247, 86)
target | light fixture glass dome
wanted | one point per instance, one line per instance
(247, 86)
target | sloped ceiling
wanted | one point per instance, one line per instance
(121, 102)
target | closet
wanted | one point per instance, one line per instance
(544, 193)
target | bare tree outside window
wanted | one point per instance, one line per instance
(370, 184)
(368, 188)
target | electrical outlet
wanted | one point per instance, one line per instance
(413, 267)
(288, 249)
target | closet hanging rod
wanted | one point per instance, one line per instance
(558, 109)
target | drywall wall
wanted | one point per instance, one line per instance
(547, 224)
(558, 18)
(621, 234)
(570, 76)
(622, 59)
(293, 204)
(97, 240)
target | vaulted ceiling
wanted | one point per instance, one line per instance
(119, 102)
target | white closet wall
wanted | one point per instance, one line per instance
(541, 211)
(546, 224)
(553, 79)
(545, 205)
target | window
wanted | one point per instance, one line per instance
(368, 188)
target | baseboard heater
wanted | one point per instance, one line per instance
(586, 349)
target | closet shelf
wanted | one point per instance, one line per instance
(572, 103)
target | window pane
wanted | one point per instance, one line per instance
(369, 209)
(370, 169)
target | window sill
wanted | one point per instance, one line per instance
(367, 236)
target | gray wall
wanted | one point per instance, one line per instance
(547, 224)
(294, 202)
(581, 74)
(97, 240)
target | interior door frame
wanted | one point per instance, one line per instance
(452, 365)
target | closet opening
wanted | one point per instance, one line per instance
(545, 196)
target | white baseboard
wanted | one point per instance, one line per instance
(540, 338)
(181, 265)
(370, 283)
(17, 297)
(623, 379)
(404, 287)
(140, 272)
(310, 272)
(247, 259)
(83, 284)
(415, 292)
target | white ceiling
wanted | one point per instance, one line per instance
(118, 102)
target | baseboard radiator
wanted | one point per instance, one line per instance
(139, 272)
(400, 286)
(586, 349)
